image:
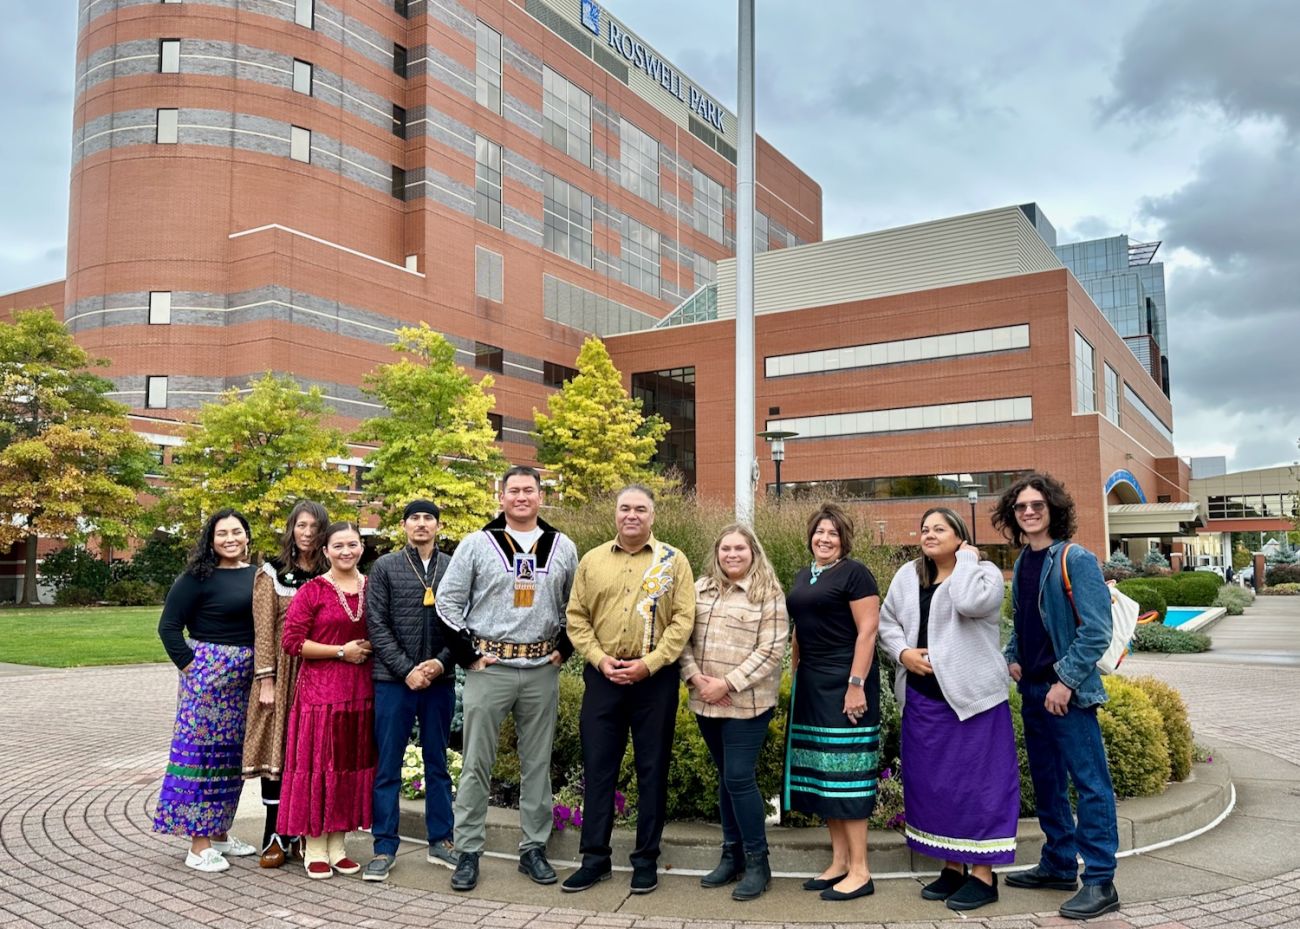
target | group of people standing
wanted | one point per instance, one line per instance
(310, 676)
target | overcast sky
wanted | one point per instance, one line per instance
(1169, 120)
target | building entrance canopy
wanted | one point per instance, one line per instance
(1151, 520)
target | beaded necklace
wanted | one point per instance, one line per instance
(818, 570)
(343, 600)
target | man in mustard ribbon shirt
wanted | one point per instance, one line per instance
(631, 612)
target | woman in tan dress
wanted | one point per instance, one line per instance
(275, 671)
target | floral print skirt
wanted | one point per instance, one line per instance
(200, 790)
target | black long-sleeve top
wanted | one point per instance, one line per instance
(218, 610)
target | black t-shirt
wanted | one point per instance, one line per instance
(926, 684)
(218, 610)
(1037, 656)
(820, 611)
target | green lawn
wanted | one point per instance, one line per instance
(58, 637)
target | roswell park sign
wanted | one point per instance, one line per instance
(661, 72)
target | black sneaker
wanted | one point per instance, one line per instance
(949, 883)
(465, 877)
(585, 877)
(533, 863)
(1037, 878)
(973, 894)
(645, 878)
(1091, 901)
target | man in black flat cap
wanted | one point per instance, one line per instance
(414, 679)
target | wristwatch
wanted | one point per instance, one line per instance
(339, 653)
(855, 681)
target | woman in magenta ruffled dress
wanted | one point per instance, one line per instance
(329, 765)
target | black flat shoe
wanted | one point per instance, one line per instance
(974, 894)
(1091, 901)
(1038, 879)
(823, 883)
(866, 890)
(949, 883)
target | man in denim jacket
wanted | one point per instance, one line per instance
(1052, 655)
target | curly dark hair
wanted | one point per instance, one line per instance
(842, 522)
(288, 555)
(203, 558)
(1060, 508)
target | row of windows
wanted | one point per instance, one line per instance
(906, 419)
(1003, 338)
(1085, 375)
(988, 483)
(1148, 414)
(1254, 506)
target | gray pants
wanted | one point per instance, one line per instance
(532, 694)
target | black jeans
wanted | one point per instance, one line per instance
(647, 709)
(734, 745)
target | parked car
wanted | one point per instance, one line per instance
(1212, 568)
(1247, 575)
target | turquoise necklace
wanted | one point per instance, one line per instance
(818, 570)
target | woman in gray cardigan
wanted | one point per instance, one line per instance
(961, 784)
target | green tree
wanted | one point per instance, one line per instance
(596, 438)
(259, 453)
(70, 466)
(435, 439)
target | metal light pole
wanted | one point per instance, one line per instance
(777, 439)
(973, 496)
(746, 464)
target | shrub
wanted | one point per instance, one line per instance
(1027, 801)
(1118, 567)
(1157, 638)
(1154, 563)
(1282, 590)
(75, 596)
(1196, 588)
(566, 754)
(159, 560)
(1234, 599)
(1137, 748)
(133, 593)
(1282, 574)
(1178, 730)
(1147, 597)
(74, 566)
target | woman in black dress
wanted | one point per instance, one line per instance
(833, 748)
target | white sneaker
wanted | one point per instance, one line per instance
(210, 860)
(234, 847)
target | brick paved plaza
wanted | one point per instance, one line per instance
(82, 753)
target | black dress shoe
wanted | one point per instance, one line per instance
(823, 883)
(866, 890)
(974, 894)
(1092, 900)
(949, 883)
(465, 877)
(533, 863)
(585, 877)
(645, 878)
(1036, 878)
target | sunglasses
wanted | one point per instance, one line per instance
(1033, 506)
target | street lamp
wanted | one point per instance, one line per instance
(880, 528)
(973, 498)
(777, 437)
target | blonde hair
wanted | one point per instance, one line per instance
(763, 582)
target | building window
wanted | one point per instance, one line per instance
(566, 116)
(160, 307)
(1112, 395)
(488, 275)
(706, 271)
(639, 162)
(487, 181)
(304, 13)
(302, 76)
(640, 260)
(761, 232)
(487, 68)
(1148, 414)
(169, 56)
(402, 8)
(908, 419)
(166, 128)
(399, 60)
(708, 206)
(912, 486)
(399, 183)
(554, 375)
(498, 423)
(399, 121)
(927, 348)
(300, 144)
(566, 216)
(155, 392)
(489, 357)
(1085, 376)
(671, 394)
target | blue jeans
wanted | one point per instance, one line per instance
(397, 707)
(734, 745)
(1062, 749)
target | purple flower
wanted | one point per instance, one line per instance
(560, 815)
(577, 817)
(896, 821)
(886, 774)
(620, 802)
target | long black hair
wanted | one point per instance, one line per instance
(287, 559)
(926, 569)
(203, 558)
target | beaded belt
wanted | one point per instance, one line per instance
(541, 649)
